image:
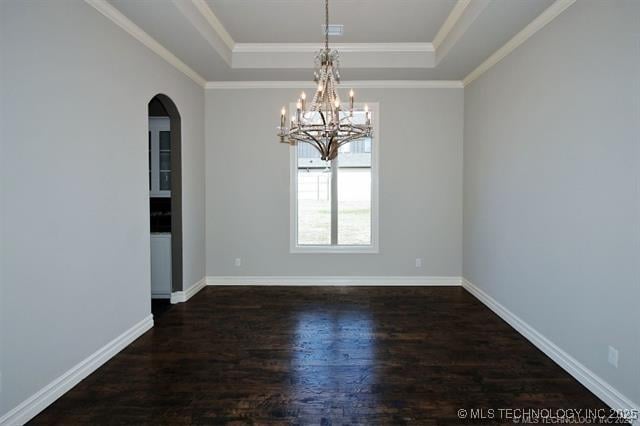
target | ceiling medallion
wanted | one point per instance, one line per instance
(324, 124)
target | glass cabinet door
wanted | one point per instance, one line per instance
(159, 157)
(165, 160)
(150, 170)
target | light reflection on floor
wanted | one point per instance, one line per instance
(333, 360)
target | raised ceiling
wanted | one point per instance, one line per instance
(236, 40)
(301, 21)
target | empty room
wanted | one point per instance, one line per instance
(319, 212)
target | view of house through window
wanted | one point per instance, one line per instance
(351, 213)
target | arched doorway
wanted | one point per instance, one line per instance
(165, 196)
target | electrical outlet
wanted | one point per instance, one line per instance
(418, 262)
(238, 261)
(613, 356)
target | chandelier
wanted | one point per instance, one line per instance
(324, 124)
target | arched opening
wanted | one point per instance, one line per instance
(165, 200)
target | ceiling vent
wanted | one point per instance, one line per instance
(334, 29)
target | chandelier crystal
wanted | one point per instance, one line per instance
(324, 124)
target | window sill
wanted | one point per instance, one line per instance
(334, 250)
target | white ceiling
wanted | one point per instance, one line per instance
(231, 40)
(301, 21)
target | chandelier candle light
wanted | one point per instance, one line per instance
(324, 124)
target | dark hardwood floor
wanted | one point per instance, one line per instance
(159, 307)
(321, 355)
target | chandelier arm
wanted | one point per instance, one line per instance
(350, 139)
(352, 136)
(348, 126)
(359, 128)
(333, 147)
(307, 141)
(300, 139)
(311, 128)
(315, 142)
(310, 136)
(353, 131)
(324, 121)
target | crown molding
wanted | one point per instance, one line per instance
(360, 84)
(450, 22)
(534, 26)
(360, 55)
(342, 47)
(298, 55)
(462, 16)
(215, 23)
(207, 24)
(106, 9)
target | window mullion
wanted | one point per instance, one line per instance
(334, 201)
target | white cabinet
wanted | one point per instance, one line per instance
(161, 265)
(159, 157)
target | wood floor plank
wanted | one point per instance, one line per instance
(324, 356)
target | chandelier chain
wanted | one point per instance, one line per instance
(326, 24)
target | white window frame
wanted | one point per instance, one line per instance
(374, 247)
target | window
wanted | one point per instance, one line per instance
(334, 204)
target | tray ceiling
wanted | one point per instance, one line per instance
(236, 40)
(301, 21)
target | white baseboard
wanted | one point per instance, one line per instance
(177, 297)
(183, 296)
(37, 402)
(47, 395)
(335, 281)
(581, 373)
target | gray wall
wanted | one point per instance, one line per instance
(75, 268)
(551, 185)
(248, 186)
(551, 200)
